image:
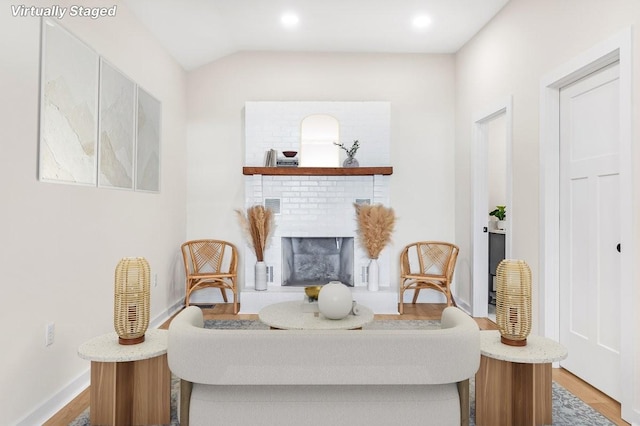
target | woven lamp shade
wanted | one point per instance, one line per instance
(513, 301)
(131, 300)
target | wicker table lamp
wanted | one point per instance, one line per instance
(131, 304)
(513, 302)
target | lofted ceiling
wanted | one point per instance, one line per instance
(196, 32)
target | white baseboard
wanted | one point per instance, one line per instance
(54, 404)
(163, 316)
(50, 407)
(463, 305)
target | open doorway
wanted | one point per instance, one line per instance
(491, 191)
(497, 196)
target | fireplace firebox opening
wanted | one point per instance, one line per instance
(310, 261)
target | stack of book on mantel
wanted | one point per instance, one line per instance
(270, 158)
(287, 162)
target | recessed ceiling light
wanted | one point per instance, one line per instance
(421, 21)
(289, 19)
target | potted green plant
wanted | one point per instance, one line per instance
(500, 213)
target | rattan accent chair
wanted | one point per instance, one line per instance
(427, 265)
(211, 263)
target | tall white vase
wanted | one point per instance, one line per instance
(374, 275)
(261, 276)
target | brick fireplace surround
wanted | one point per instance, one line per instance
(317, 205)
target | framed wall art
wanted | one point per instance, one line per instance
(97, 126)
(148, 143)
(69, 108)
(117, 128)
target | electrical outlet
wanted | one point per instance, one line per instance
(50, 333)
(155, 280)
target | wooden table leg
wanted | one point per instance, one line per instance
(152, 392)
(135, 392)
(111, 402)
(532, 394)
(509, 393)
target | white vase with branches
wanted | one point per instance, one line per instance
(375, 227)
(351, 154)
(257, 225)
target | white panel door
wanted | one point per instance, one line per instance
(590, 229)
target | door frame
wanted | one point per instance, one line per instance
(616, 48)
(480, 195)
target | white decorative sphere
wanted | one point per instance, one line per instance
(335, 300)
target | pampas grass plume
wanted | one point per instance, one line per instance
(257, 226)
(375, 226)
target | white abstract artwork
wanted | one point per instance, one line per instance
(148, 143)
(117, 128)
(97, 126)
(69, 105)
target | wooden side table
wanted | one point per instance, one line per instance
(130, 384)
(513, 384)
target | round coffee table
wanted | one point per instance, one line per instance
(291, 316)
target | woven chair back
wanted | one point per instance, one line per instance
(435, 258)
(205, 256)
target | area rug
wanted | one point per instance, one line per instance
(568, 410)
(375, 325)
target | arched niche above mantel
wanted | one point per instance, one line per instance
(318, 135)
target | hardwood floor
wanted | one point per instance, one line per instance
(70, 411)
(607, 406)
(596, 399)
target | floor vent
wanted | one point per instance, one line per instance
(364, 274)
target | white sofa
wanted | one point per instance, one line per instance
(294, 377)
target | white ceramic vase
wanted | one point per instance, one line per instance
(374, 275)
(335, 300)
(261, 276)
(350, 162)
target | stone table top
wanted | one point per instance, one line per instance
(539, 350)
(106, 348)
(291, 316)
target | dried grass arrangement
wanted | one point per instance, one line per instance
(257, 225)
(375, 226)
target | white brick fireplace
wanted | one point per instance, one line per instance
(316, 206)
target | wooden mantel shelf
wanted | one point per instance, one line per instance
(317, 171)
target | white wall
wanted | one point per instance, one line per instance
(277, 125)
(420, 89)
(527, 40)
(61, 243)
